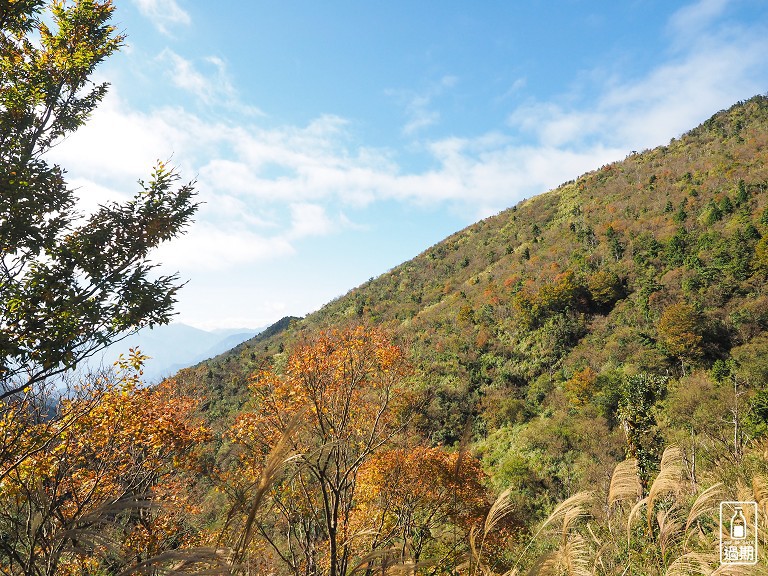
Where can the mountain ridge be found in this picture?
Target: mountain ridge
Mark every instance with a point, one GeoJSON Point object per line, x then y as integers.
{"type": "Point", "coordinates": [536, 318]}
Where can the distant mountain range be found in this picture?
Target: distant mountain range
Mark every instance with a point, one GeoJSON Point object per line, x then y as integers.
{"type": "Point", "coordinates": [175, 346]}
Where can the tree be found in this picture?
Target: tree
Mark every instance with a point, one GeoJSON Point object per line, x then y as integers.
{"type": "Point", "coordinates": [605, 289]}
{"type": "Point", "coordinates": [69, 284]}
{"type": "Point", "coordinates": [640, 394]}
{"type": "Point", "coordinates": [581, 387]}
{"type": "Point", "coordinates": [419, 500]}
{"type": "Point", "coordinates": [345, 387]}
{"type": "Point", "coordinates": [90, 498]}
{"type": "Point", "coordinates": [681, 330]}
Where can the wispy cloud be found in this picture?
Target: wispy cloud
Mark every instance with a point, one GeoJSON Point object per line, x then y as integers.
{"type": "Point", "coordinates": [212, 86]}
{"type": "Point", "coordinates": [418, 106]}
{"type": "Point", "coordinates": [270, 188]}
{"type": "Point", "coordinates": [514, 89]}
{"type": "Point", "coordinates": [719, 65]}
{"type": "Point", "coordinates": [186, 76]}
{"type": "Point", "coordinates": [689, 21]}
{"type": "Point", "coordinates": [164, 14]}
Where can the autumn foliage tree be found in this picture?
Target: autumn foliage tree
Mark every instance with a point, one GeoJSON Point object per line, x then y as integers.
{"type": "Point", "coordinates": [346, 389]}
{"type": "Point", "coordinates": [681, 330]}
{"type": "Point", "coordinates": [93, 493]}
{"type": "Point", "coordinates": [420, 502]}
{"type": "Point", "coordinates": [77, 471]}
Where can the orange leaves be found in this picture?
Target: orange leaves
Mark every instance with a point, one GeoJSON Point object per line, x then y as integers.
{"type": "Point", "coordinates": [408, 497]}
{"type": "Point", "coordinates": [681, 329]}
{"type": "Point", "coordinates": [110, 451]}
{"type": "Point", "coordinates": [345, 388]}
{"type": "Point", "coordinates": [344, 379]}
{"type": "Point", "coordinates": [581, 386]}
{"type": "Point", "coordinates": [426, 480]}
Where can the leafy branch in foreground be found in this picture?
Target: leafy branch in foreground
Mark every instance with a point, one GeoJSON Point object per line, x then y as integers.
{"type": "Point", "coordinates": [69, 284]}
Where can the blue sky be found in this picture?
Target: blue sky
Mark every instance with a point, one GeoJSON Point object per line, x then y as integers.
{"type": "Point", "coordinates": [333, 140]}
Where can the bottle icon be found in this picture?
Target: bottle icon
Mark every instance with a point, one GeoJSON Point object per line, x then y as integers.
{"type": "Point", "coordinates": [738, 525]}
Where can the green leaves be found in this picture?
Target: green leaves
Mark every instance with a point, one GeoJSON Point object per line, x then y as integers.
{"type": "Point", "coordinates": [70, 285]}
{"type": "Point", "coordinates": [637, 408]}
{"type": "Point", "coordinates": [43, 93]}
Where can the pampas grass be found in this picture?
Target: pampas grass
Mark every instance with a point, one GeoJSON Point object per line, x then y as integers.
{"type": "Point", "coordinates": [625, 483]}
{"type": "Point", "coordinates": [280, 455]}
{"type": "Point", "coordinates": [668, 481]}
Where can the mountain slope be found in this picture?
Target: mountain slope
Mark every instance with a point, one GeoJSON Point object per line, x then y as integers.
{"type": "Point", "coordinates": [534, 321]}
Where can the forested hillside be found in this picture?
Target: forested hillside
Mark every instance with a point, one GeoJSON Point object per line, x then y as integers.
{"type": "Point", "coordinates": [613, 317]}
{"type": "Point", "coordinates": [569, 387]}
{"type": "Point", "coordinates": [655, 264]}
{"type": "Point", "coordinates": [574, 386]}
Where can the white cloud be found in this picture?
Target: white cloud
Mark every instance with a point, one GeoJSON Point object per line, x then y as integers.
{"type": "Point", "coordinates": [268, 189]}
{"type": "Point", "coordinates": [209, 247]}
{"type": "Point", "coordinates": [163, 13]}
{"type": "Point", "coordinates": [212, 86]}
{"type": "Point", "coordinates": [419, 114]}
{"type": "Point", "coordinates": [309, 220]}
{"type": "Point", "coordinates": [717, 69]}
{"type": "Point", "coordinates": [691, 20]}
{"type": "Point", "coordinates": [515, 88]}
{"type": "Point", "coordinates": [91, 195]}
{"type": "Point", "coordinates": [418, 106]}
{"type": "Point", "coordinates": [184, 75]}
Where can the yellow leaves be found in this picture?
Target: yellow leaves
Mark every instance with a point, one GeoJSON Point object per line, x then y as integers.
{"type": "Point", "coordinates": [340, 388]}
{"type": "Point", "coordinates": [581, 386]}
{"type": "Point", "coordinates": [681, 330]}
{"type": "Point", "coordinates": [110, 439]}
{"type": "Point", "coordinates": [421, 487]}
{"type": "Point", "coordinates": [342, 378]}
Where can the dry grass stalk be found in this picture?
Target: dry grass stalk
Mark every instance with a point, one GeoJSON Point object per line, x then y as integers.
{"type": "Point", "coordinates": [575, 554]}
{"type": "Point", "coordinates": [407, 566]}
{"type": "Point", "coordinates": [568, 511]}
{"type": "Point", "coordinates": [632, 514]}
{"type": "Point", "coordinates": [185, 561]}
{"type": "Point", "coordinates": [476, 562]}
{"type": "Point", "coordinates": [760, 494]}
{"type": "Point", "coordinates": [572, 554]}
{"type": "Point", "coordinates": [276, 459]}
{"type": "Point", "coordinates": [501, 507]}
{"type": "Point", "coordinates": [760, 490]}
{"type": "Point", "coordinates": [707, 502]}
{"type": "Point", "coordinates": [740, 570]}
{"type": "Point", "coordinates": [668, 481]}
{"type": "Point", "coordinates": [670, 529]}
{"type": "Point", "coordinates": [474, 548]}
{"type": "Point", "coordinates": [692, 563]}
{"type": "Point", "coordinates": [625, 483]}
{"type": "Point", "coordinates": [571, 558]}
